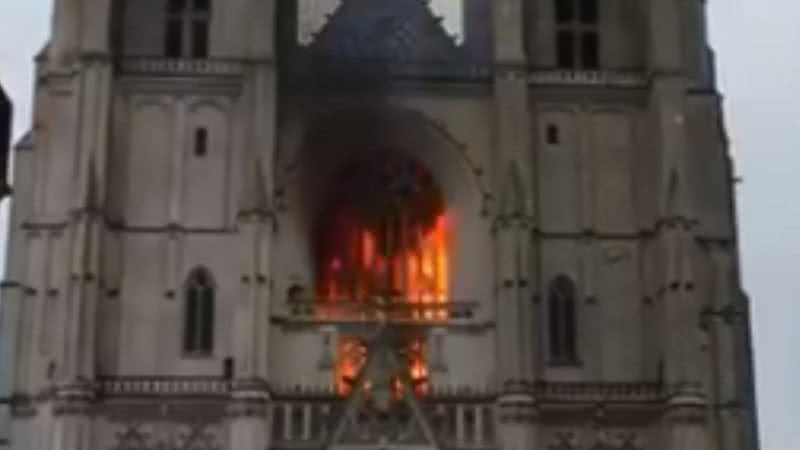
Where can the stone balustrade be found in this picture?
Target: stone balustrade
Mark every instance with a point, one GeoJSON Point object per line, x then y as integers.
{"type": "Point", "coordinates": [164, 386]}
{"type": "Point", "coordinates": [597, 78]}
{"type": "Point", "coordinates": [159, 66]}
{"type": "Point", "coordinates": [226, 67]}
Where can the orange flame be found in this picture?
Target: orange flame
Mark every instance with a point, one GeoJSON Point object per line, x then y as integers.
{"type": "Point", "coordinates": [413, 266]}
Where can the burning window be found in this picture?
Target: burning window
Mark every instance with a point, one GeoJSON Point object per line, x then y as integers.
{"type": "Point", "coordinates": [384, 236]}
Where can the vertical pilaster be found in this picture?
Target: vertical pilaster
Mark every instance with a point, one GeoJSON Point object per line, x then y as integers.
{"type": "Point", "coordinates": [81, 40]}
{"type": "Point", "coordinates": [250, 408]}
{"type": "Point", "coordinates": [516, 407]}
{"type": "Point", "coordinates": [179, 145]}
{"type": "Point", "coordinates": [512, 165]}
{"type": "Point", "coordinates": [686, 419]}
{"type": "Point", "coordinates": [87, 222]}
{"type": "Point", "coordinates": [72, 421]}
{"type": "Point", "coordinates": [66, 23]}
{"type": "Point", "coordinates": [724, 320]}
{"type": "Point", "coordinates": [508, 353]}
{"type": "Point", "coordinates": [518, 416]}
{"type": "Point", "coordinates": [251, 333]}
{"type": "Point", "coordinates": [664, 35]}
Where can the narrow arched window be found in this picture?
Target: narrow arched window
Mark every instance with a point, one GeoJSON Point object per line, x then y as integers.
{"type": "Point", "coordinates": [577, 38]}
{"type": "Point", "coordinates": [187, 28]}
{"type": "Point", "coordinates": [198, 337]}
{"type": "Point", "coordinates": [562, 320]}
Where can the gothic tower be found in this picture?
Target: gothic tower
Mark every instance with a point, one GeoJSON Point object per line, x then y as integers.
{"type": "Point", "coordinates": [375, 224]}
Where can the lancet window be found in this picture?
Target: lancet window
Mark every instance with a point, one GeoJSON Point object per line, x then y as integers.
{"type": "Point", "coordinates": [199, 293]}
{"type": "Point", "coordinates": [562, 320]}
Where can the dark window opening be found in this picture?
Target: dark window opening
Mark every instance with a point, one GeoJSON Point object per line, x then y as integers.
{"type": "Point", "coordinates": [187, 28]}
{"type": "Point", "coordinates": [552, 134]}
{"type": "Point", "coordinates": [577, 34]}
{"type": "Point", "coordinates": [200, 39]}
{"type": "Point", "coordinates": [199, 315]}
{"type": "Point", "coordinates": [562, 327]}
{"type": "Point", "coordinates": [202, 5]}
{"type": "Point", "coordinates": [590, 50]}
{"type": "Point", "coordinates": [176, 6]}
{"type": "Point", "coordinates": [200, 142]}
{"type": "Point", "coordinates": [174, 38]}
{"type": "Point", "coordinates": [565, 11]}
{"type": "Point", "coordinates": [565, 49]}
{"type": "Point", "coordinates": [589, 12]}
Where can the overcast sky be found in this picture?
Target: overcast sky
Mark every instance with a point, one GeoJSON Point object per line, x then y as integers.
{"type": "Point", "coordinates": [758, 50]}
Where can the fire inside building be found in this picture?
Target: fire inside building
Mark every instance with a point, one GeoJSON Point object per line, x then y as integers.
{"type": "Point", "coordinates": [375, 225]}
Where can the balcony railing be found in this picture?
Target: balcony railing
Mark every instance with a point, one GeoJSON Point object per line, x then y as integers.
{"type": "Point", "coordinates": [154, 65]}
{"type": "Point", "coordinates": [605, 78]}
{"type": "Point", "coordinates": [146, 386]}
{"type": "Point", "coordinates": [227, 67]}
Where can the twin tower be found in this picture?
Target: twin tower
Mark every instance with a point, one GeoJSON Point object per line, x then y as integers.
{"type": "Point", "coordinates": [375, 224]}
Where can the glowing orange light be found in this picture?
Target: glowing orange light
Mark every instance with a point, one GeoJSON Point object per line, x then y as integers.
{"type": "Point", "coordinates": [398, 255]}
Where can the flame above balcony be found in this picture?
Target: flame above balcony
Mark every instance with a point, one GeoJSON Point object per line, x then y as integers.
{"type": "Point", "coordinates": [385, 236]}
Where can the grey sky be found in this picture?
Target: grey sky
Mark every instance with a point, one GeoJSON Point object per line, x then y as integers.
{"type": "Point", "coordinates": [758, 50]}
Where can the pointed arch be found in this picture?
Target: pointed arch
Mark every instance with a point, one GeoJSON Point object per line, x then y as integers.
{"type": "Point", "coordinates": [562, 320]}
{"type": "Point", "coordinates": [199, 303]}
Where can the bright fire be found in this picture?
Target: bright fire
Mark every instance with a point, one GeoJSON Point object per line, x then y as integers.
{"type": "Point", "coordinates": [395, 247]}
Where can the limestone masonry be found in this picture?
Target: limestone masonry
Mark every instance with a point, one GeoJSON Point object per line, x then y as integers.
{"type": "Point", "coordinates": [375, 225]}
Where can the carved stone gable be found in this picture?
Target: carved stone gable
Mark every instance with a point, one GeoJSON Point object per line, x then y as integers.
{"type": "Point", "coordinates": [385, 30]}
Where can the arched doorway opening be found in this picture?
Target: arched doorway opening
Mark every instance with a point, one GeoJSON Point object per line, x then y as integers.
{"type": "Point", "coordinates": [384, 234]}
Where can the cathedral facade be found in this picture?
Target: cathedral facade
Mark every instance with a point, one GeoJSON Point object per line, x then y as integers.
{"type": "Point", "coordinates": [375, 224]}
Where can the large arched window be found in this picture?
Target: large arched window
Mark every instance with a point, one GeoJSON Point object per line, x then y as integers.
{"type": "Point", "coordinates": [562, 320]}
{"type": "Point", "coordinates": [577, 34]}
{"type": "Point", "coordinates": [383, 234]}
{"type": "Point", "coordinates": [199, 292]}
{"type": "Point", "coordinates": [187, 28]}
